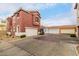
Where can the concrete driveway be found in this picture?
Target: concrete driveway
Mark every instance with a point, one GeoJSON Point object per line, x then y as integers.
{"type": "Point", "coordinates": [47, 45]}
{"type": "Point", "coordinates": [7, 49]}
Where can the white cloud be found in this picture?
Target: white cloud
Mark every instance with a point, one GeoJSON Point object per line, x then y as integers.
{"type": "Point", "coordinates": [61, 19]}
{"type": "Point", "coordinates": [10, 8]}
{"type": "Point", "coordinates": [58, 21]}
{"type": "Point", "coordinates": [38, 6]}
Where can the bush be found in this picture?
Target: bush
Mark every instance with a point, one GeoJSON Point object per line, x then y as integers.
{"type": "Point", "coordinates": [8, 34]}
{"type": "Point", "coordinates": [72, 35]}
{"type": "Point", "coordinates": [41, 32]}
{"type": "Point", "coordinates": [22, 36]}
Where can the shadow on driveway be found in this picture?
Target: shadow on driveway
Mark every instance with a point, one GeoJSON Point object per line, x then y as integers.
{"type": "Point", "coordinates": [58, 38]}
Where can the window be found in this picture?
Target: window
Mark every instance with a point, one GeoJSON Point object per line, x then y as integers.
{"type": "Point", "coordinates": [37, 19]}
{"type": "Point", "coordinates": [17, 14]}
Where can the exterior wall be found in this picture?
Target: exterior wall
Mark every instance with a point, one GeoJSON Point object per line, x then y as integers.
{"type": "Point", "coordinates": [25, 21]}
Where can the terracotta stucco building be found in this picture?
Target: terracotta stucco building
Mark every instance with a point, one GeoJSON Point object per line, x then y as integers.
{"type": "Point", "coordinates": [21, 20]}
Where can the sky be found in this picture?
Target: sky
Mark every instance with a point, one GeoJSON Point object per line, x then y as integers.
{"type": "Point", "coordinates": [52, 14]}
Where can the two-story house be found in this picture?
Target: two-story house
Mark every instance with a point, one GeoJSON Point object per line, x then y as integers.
{"type": "Point", "coordinates": [24, 22]}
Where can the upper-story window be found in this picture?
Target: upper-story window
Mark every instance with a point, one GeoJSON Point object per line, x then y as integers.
{"type": "Point", "coordinates": [37, 19]}
{"type": "Point", "coordinates": [17, 14]}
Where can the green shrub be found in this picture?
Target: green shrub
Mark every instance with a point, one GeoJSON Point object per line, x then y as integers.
{"type": "Point", "coordinates": [41, 32]}
{"type": "Point", "coordinates": [7, 34]}
{"type": "Point", "coordinates": [22, 36]}
{"type": "Point", "coordinates": [72, 35]}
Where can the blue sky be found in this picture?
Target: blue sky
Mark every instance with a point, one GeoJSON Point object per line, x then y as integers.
{"type": "Point", "coordinates": [54, 14]}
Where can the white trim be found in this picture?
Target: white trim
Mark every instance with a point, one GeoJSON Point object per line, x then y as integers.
{"type": "Point", "coordinates": [17, 28]}
{"type": "Point", "coordinates": [20, 33]}
{"type": "Point", "coordinates": [9, 33]}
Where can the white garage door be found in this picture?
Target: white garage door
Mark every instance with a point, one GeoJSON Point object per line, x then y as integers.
{"type": "Point", "coordinates": [53, 31]}
{"type": "Point", "coordinates": [31, 31]}
{"type": "Point", "coordinates": [69, 31]}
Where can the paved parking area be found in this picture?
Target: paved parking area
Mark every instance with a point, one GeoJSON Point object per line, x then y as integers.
{"type": "Point", "coordinates": [47, 45]}
{"type": "Point", "coordinates": [7, 49]}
